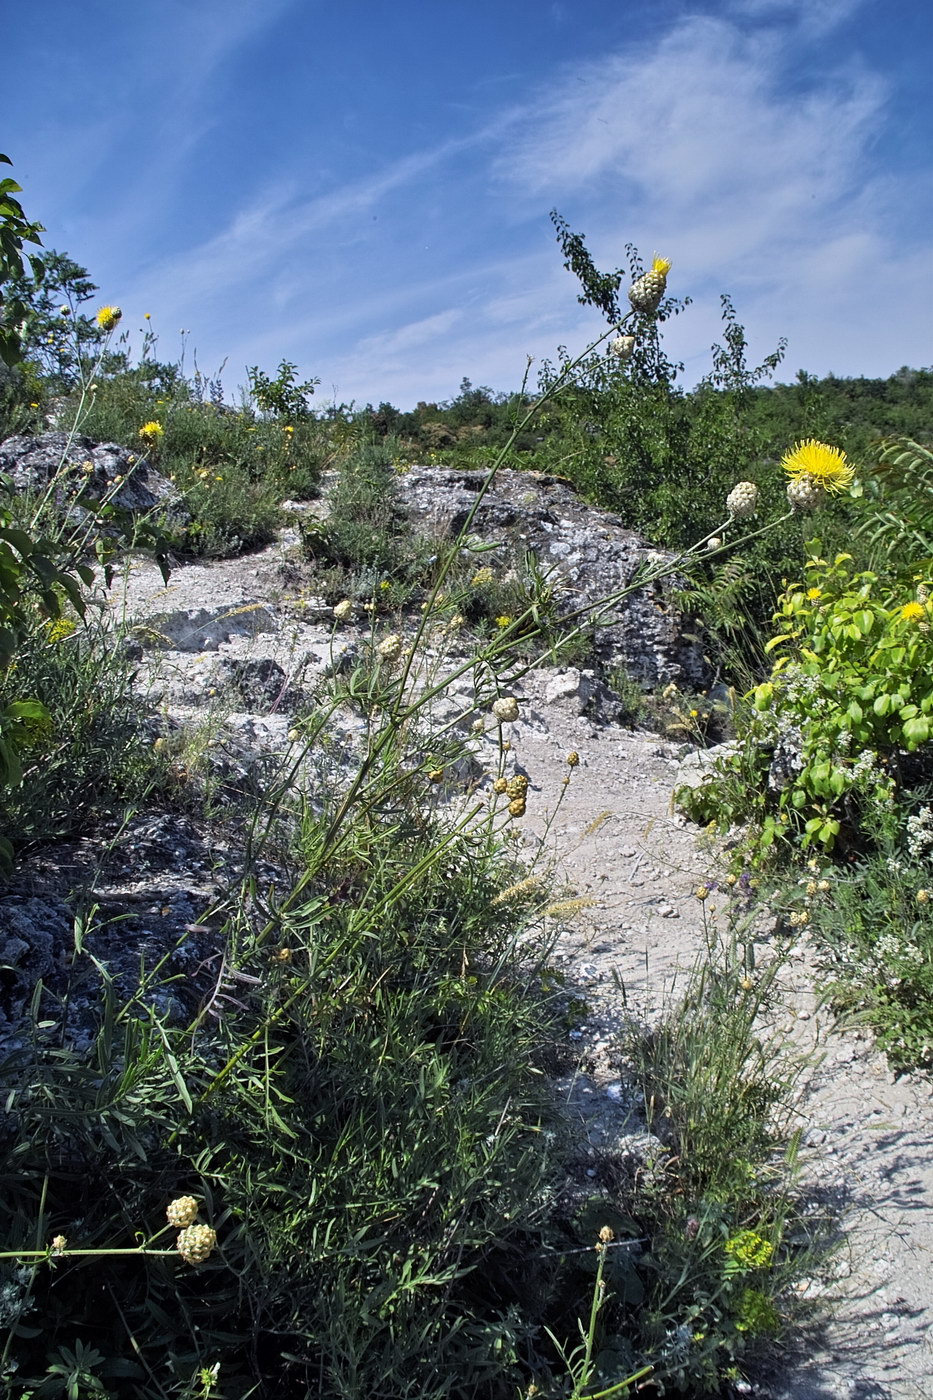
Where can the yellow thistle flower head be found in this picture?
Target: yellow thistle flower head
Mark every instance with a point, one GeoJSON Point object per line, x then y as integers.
{"type": "Point", "coordinates": [661, 266]}
{"type": "Point", "coordinates": [825, 466]}
{"type": "Point", "coordinates": [108, 316]}
{"type": "Point", "coordinates": [912, 612]}
{"type": "Point", "coordinates": [151, 432]}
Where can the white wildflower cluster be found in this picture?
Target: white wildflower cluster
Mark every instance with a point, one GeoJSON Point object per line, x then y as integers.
{"type": "Point", "coordinates": [889, 953]}
{"type": "Point", "coordinates": [920, 833]}
{"type": "Point", "coordinates": [865, 764]}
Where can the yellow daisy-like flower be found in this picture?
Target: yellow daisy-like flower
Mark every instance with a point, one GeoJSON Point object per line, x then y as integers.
{"type": "Point", "coordinates": [108, 316]}
{"type": "Point", "coordinates": [913, 612]}
{"type": "Point", "coordinates": [826, 466]}
{"type": "Point", "coordinates": [151, 432]}
{"type": "Point", "coordinates": [814, 593]}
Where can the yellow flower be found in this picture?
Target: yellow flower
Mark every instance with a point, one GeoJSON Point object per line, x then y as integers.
{"type": "Point", "coordinates": [826, 466]}
{"type": "Point", "coordinates": [108, 316]}
{"type": "Point", "coordinates": [151, 432]}
{"type": "Point", "coordinates": [289, 430]}
{"type": "Point", "coordinates": [503, 621]}
{"type": "Point", "coordinates": [814, 593]}
{"type": "Point", "coordinates": [661, 266]}
{"type": "Point", "coordinates": [912, 612]}
{"type": "Point", "coordinates": [481, 578]}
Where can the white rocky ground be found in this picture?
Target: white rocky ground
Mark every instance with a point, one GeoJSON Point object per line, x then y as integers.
{"type": "Point", "coordinates": [615, 841]}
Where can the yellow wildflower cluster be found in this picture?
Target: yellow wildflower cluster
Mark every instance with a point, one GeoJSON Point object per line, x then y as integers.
{"type": "Point", "coordinates": [749, 1250]}
{"type": "Point", "coordinates": [152, 432]}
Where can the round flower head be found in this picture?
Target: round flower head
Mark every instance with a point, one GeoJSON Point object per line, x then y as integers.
{"type": "Point", "coordinates": [505, 709]}
{"type": "Point", "coordinates": [517, 807]}
{"type": "Point", "coordinates": [646, 291]}
{"type": "Point", "coordinates": [151, 432]}
{"type": "Point", "coordinates": [804, 493]}
{"type": "Point", "coordinates": [182, 1212]}
{"type": "Point", "coordinates": [108, 316]}
{"type": "Point", "coordinates": [742, 500]}
{"type": "Point", "coordinates": [826, 466]}
{"type": "Point", "coordinates": [196, 1243]}
{"type": "Point", "coordinates": [390, 646]}
{"type": "Point", "coordinates": [622, 347]}
{"type": "Point", "coordinates": [913, 612]}
{"type": "Point", "coordinates": [343, 610]}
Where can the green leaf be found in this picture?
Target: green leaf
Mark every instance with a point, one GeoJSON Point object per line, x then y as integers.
{"type": "Point", "coordinates": [916, 731]}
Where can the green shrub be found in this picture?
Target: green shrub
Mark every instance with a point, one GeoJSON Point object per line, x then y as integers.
{"type": "Point", "coordinates": [84, 749]}
{"type": "Point", "coordinates": [872, 931]}
{"type": "Point", "coordinates": [850, 695]}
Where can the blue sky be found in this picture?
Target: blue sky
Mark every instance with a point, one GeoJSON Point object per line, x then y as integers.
{"type": "Point", "coordinates": [363, 187]}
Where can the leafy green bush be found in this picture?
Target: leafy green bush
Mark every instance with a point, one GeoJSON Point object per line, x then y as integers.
{"type": "Point", "coordinates": [850, 695]}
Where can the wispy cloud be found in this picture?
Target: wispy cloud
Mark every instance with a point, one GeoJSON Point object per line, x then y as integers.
{"type": "Point", "coordinates": [812, 18]}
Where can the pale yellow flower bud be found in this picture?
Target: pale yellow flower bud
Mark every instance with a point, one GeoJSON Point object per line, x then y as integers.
{"type": "Point", "coordinates": [505, 709]}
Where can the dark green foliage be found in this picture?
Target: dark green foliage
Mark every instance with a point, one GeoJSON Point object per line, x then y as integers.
{"type": "Point", "coordinates": [85, 749]}
{"type": "Point", "coordinates": [54, 343]}
{"type": "Point", "coordinates": [15, 230]}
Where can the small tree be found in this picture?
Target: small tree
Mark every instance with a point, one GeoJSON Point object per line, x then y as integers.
{"type": "Point", "coordinates": [52, 332]}
{"type": "Point", "coordinates": [281, 397]}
